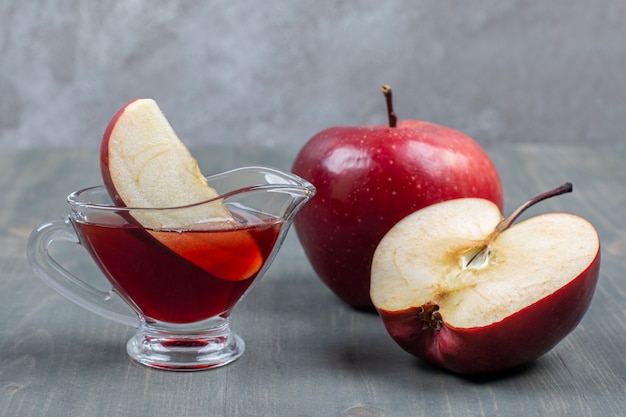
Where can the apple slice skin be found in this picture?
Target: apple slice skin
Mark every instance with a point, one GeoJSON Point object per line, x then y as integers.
{"type": "Point", "coordinates": [370, 177]}
{"type": "Point", "coordinates": [104, 156]}
{"type": "Point", "coordinates": [513, 341]}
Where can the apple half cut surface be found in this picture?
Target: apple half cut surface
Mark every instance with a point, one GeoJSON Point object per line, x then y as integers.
{"type": "Point", "coordinates": [457, 285]}
{"type": "Point", "coordinates": [145, 165]}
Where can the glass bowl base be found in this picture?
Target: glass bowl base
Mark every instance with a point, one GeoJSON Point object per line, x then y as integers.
{"type": "Point", "coordinates": [184, 351]}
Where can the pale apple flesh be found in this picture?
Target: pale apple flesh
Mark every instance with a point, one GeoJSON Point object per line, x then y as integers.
{"type": "Point", "coordinates": [145, 165]}
{"type": "Point", "coordinates": [480, 314]}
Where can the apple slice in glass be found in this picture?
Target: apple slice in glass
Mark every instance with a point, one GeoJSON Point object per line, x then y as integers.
{"type": "Point", "coordinates": [145, 165]}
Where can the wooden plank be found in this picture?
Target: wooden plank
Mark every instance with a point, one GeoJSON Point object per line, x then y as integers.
{"type": "Point", "coordinates": [307, 354]}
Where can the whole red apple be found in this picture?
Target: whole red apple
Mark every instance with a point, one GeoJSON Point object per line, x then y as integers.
{"type": "Point", "coordinates": [370, 177]}
{"type": "Point", "coordinates": [458, 286]}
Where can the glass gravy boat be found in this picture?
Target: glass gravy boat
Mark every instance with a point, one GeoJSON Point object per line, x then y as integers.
{"type": "Point", "coordinates": [181, 284]}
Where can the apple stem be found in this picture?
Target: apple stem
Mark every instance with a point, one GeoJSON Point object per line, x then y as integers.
{"type": "Point", "coordinates": [506, 223]}
{"type": "Point", "coordinates": [479, 256]}
{"type": "Point", "coordinates": [393, 119]}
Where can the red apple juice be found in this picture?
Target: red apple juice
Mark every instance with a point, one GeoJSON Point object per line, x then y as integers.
{"type": "Point", "coordinates": [181, 276]}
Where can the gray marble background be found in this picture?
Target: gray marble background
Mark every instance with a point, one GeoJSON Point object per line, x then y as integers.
{"type": "Point", "coordinates": [275, 72]}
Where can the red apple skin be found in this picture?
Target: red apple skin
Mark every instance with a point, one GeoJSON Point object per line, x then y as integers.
{"type": "Point", "coordinates": [516, 340]}
{"type": "Point", "coordinates": [104, 157]}
{"type": "Point", "coordinates": [370, 177]}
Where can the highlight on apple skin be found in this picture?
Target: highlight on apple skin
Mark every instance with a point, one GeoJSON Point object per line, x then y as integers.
{"type": "Point", "coordinates": [370, 177]}
{"type": "Point", "coordinates": [459, 290]}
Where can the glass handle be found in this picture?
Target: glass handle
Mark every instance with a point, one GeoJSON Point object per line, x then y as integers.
{"type": "Point", "coordinates": [104, 303]}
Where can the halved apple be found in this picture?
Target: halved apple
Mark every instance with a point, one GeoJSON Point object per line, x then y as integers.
{"type": "Point", "coordinates": [145, 165]}
{"type": "Point", "coordinates": [461, 287]}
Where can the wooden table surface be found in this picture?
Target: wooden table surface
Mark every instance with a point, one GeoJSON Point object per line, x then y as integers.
{"type": "Point", "coordinates": [307, 353]}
